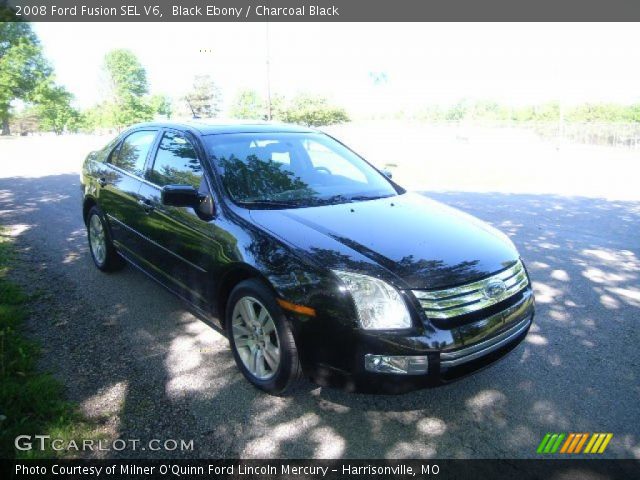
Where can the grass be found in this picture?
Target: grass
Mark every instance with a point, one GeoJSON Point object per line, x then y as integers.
{"type": "Point", "coordinates": [31, 402]}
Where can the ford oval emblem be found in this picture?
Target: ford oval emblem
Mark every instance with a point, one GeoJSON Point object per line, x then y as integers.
{"type": "Point", "coordinates": [494, 289]}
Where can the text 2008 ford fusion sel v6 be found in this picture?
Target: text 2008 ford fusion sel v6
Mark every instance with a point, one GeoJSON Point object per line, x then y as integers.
{"type": "Point", "coordinates": [310, 260]}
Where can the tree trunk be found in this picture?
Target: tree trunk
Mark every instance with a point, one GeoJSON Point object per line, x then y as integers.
{"type": "Point", "coordinates": [5, 126]}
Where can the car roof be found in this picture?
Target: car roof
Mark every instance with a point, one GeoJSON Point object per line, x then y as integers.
{"type": "Point", "coordinates": [216, 127]}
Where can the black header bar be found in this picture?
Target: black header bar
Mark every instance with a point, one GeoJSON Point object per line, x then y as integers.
{"type": "Point", "coordinates": [322, 10]}
{"type": "Point", "coordinates": [568, 469]}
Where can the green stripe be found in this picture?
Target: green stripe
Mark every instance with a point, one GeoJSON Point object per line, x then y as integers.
{"type": "Point", "coordinates": [550, 443]}
{"type": "Point", "coordinates": [558, 442]}
{"type": "Point", "coordinates": [543, 442]}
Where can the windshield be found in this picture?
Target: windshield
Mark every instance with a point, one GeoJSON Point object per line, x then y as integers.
{"type": "Point", "coordinates": [286, 170]}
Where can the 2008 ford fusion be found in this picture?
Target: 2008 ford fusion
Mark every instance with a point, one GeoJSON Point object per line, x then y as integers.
{"type": "Point", "coordinates": [310, 260]}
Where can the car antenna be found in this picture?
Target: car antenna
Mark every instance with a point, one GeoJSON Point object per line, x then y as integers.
{"type": "Point", "coordinates": [193, 113]}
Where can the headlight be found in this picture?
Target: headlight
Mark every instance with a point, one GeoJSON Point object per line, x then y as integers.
{"type": "Point", "coordinates": [379, 305]}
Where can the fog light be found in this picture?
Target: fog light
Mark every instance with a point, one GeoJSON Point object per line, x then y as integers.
{"type": "Point", "coordinates": [401, 365]}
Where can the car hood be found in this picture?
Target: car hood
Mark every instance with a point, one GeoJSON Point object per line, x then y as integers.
{"type": "Point", "coordinates": [421, 242]}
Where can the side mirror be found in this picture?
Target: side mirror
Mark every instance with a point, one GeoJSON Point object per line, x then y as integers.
{"type": "Point", "coordinates": [180, 196]}
{"type": "Point", "coordinates": [387, 173]}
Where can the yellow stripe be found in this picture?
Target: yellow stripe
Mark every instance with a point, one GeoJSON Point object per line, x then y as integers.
{"type": "Point", "coordinates": [596, 445]}
{"type": "Point", "coordinates": [590, 444]}
{"type": "Point", "coordinates": [584, 439]}
{"type": "Point", "coordinates": [566, 444]}
{"type": "Point", "coordinates": [606, 442]}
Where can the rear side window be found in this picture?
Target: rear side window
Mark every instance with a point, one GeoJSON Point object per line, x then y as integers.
{"type": "Point", "coordinates": [133, 152]}
{"type": "Point", "coordinates": [105, 152]}
{"type": "Point", "coordinates": [176, 162]}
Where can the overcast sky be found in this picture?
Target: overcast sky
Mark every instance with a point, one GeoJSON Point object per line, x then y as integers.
{"type": "Point", "coordinates": [424, 63]}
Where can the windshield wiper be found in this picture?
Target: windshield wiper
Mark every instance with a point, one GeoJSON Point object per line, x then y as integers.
{"type": "Point", "coordinates": [357, 198]}
{"type": "Point", "coordinates": [267, 203]}
{"type": "Point", "coordinates": [352, 198]}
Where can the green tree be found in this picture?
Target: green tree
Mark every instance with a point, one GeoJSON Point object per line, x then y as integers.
{"type": "Point", "coordinates": [458, 111]}
{"type": "Point", "coordinates": [53, 106]}
{"type": "Point", "coordinates": [128, 81]}
{"type": "Point", "coordinates": [313, 111]}
{"type": "Point", "coordinates": [95, 117]}
{"type": "Point", "coordinates": [22, 66]}
{"type": "Point", "coordinates": [205, 98]}
{"type": "Point", "coordinates": [25, 121]}
{"type": "Point", "coordinates": [278, 106]}
{"type": "Point", "coordinates": [248, 105]}
{"type": "Point", "coordinates": [126, 74]}
{"type": "Point", "coordinates": [161, 105]}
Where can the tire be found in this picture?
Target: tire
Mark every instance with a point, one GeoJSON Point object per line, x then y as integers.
{"type": "Point", "coordinates": [253, 348]}
{"type": "Point", "coordinates": [103, 253]}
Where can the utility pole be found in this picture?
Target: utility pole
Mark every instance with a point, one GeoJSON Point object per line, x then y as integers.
{"type": "Point", "coordinates": [269, 116]}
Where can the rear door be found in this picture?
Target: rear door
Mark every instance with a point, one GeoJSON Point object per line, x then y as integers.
{"type": "Point", "coordinates": [180, 240]}
{"type": "Point", "coordinates": [120, 182]}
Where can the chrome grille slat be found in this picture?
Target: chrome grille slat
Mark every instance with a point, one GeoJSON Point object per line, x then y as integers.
{"type": "Point", "coordinates": [469, 298]}
{"type": "Point", "coordinates": [454, 302]}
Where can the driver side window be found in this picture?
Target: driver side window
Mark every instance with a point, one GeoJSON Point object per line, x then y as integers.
{"type": "Point", "coordinates": [176, 162]}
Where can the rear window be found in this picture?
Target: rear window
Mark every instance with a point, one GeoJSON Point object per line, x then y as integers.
{"type": "Point", "coordinates": [132, 153]}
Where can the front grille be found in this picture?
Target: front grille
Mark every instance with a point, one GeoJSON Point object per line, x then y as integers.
{"type": "Point", "coordinates": [472, 297]}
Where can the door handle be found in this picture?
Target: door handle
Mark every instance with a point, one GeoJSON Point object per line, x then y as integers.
{"type": "Point", "coordinates": [102, 182]}
{"type": "Point", "coordinates": [146, 204]}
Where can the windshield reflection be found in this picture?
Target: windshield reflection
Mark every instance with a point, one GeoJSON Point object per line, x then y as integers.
{"type": "Point", "coordinates": [293, 170]}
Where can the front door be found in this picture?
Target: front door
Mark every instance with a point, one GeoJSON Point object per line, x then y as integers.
{"type": "Point", "coordinates": [180, 240]}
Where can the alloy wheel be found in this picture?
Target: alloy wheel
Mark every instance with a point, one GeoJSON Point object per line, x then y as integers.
{"type": "Point", "coordinates": [97, 239]}
{"type": "Point", "coordinates": [256, 338]}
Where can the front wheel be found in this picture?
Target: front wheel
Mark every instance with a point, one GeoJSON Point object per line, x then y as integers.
{"type": "Point", "coordinates": [103, 253]}
{"type": "Point", "coordinates": [261, 340]}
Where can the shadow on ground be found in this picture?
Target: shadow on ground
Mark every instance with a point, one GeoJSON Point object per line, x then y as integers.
{"type": "Point", "coordinates": [145, 368]}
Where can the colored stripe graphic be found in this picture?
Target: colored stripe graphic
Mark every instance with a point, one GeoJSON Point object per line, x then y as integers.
{"type": "Point", "coordinates": [543, 443]}
{"type": "Point", "coordinates": [556, 445]}
{"type": "Point", "coordinates": [551, 443]}
{"type": "Point", "coordinates": [572, 443]}
{"type": "Point", "coordinates": [598, 443]}
{"type": "Point", "coordinates": [592, 440]}
{"type": "Point", "coordinates": [605, 443]}
{"type": "Point", "coordinates": [581, 443]}
{"type": "Point", "coordinates": [570, 440]}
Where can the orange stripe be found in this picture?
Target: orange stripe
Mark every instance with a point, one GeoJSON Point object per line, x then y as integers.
{"type": "Point", "coordinates": [584, 439]}
{"type": "Point", "coordinates": [568, 441]}
{"type": "Point", "coordinates": [296, 308]}
{"type": "Point", "coordinates": [574, 443]}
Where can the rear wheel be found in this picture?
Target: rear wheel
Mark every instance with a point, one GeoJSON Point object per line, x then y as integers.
{"type": "Point", "coordinates": [261, 340]}
{"type": "Point", "coordinates": [103, 253]}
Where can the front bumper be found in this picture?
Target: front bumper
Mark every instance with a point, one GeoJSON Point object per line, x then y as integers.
{"type": "Point", "coordinates": [450, 353]}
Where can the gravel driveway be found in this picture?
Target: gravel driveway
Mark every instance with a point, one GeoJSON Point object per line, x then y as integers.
{"type": "Point", "coordinates": [143, 367]}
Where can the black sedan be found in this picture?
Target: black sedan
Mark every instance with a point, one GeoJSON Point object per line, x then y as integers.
{"type": "Point", "coordinates": [308, 258]}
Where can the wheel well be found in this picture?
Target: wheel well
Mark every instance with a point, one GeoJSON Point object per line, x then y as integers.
{"type": "Point", "coordinates": [89, 203]}
{"type": "Point", "coordinates": [229, 282]}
